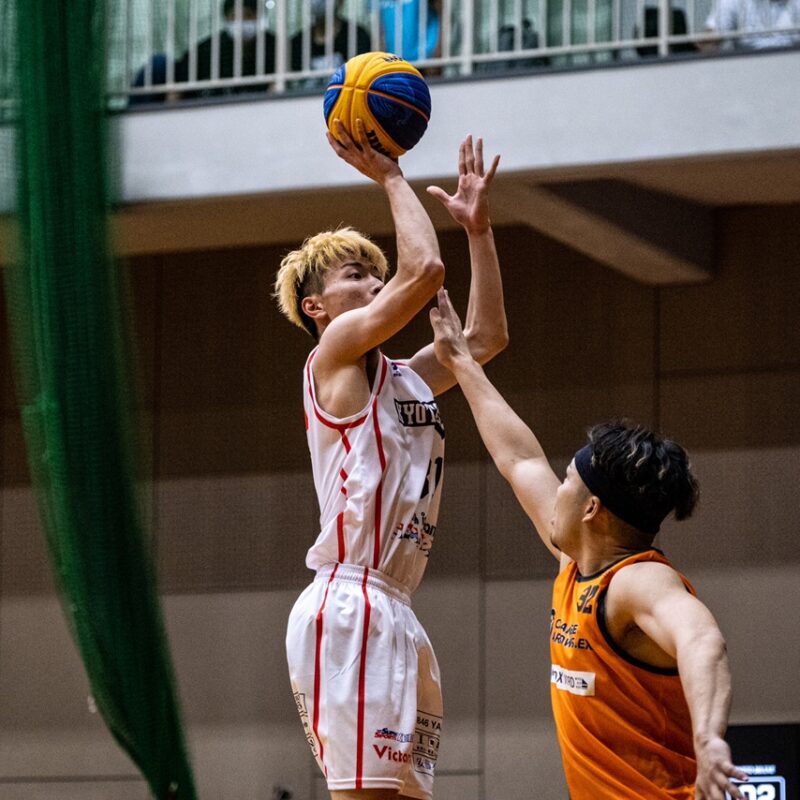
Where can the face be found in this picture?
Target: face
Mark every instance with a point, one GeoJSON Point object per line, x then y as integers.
{"type": "Point", "coordinates": [569, 509]}
{"type": "Point", "coordinates": [351, 284]}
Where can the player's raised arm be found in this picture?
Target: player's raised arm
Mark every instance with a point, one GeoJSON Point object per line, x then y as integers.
{"type": "Point", "coordinates": [419, 273]}
{"type": "Point", "coordinates": [485, 328]}
{"type": "Point", "coordinates": [654, 600]}
{"type": "Point", "coordinates": [510, 442]}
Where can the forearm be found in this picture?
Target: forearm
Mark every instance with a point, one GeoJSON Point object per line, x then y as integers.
{"type": "Point", "coordinates": [417, 245]}
{"type": "Point", "coordinates": [706, 678]}
{"type": "Point", "coordinates": [507, 438]}
{"type": "Point", "coordinates": [485, 327]}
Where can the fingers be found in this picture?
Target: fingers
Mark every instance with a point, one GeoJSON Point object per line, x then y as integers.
{"type": "Point", "coordinates": [440, 194]}
{"type": "Point", "coordinates": [479, 157]}
{"type": "Point", "coordinates": [469, 154]}
{"type": "Point", "coordinates": [361, 135]}
{"type": "Point", "coordinates": [462, 159]}
{"type": "Point", "coordinates": [492, 169]}
{"type": "Point", "coordinates": [342, 134]}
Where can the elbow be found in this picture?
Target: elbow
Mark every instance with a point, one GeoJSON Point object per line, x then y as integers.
{"type": "Point", "coordinates": [433, 270]}
{"type": "Point", "coordinates": [484, 345]}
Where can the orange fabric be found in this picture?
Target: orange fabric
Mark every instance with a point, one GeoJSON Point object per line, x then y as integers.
{"type": "Point", "coordinates": [624, 729]}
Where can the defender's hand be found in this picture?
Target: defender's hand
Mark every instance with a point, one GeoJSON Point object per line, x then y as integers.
{"type": "Point", "coordinates": [449, 343]}
{"type": "Point", "coordinates": [469, 206]}
{"type": "Point", "coordinates": [358, 152]}
{"type": "Point", "coordinates": [715, 770]}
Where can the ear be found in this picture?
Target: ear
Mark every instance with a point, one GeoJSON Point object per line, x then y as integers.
{"type": "Point", "coordinates": [591, 508]}
{"type": "Point", "coordinates": [312, 307]}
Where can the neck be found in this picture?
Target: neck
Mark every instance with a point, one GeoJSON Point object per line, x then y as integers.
{"type": "Point", "coordinates": [603, 552]}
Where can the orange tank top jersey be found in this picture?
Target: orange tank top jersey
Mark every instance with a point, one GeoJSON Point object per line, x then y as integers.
{"type": "Point", "coordinates": [623, 727]}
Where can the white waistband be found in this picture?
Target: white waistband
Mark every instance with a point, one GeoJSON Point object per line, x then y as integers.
{"type": "Point", "coordinates": [375, 579]}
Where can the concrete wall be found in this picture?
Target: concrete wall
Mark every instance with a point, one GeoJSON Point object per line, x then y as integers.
{"type": "Point", "coordinates": [717, 366]}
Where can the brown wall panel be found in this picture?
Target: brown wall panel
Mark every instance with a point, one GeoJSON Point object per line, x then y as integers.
{"type": "Point", "coordinates": [746, 318]}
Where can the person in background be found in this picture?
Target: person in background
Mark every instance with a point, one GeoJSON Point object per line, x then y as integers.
{"type": "Point", "coordinates": [401, 20]}
{"type": "Point", "coordinates": [780, 16]}
{"type": "Point", "coordinates": [308, 49]}
{"type": "Point", "coordinates": [243, 29]}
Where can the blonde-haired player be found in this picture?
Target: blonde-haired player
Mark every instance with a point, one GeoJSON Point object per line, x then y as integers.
{"type": "Point", "coordinates": [363, 672]}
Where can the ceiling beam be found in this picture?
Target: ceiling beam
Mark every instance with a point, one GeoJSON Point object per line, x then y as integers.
{"type": "Point", "coordinates": [651, 237]}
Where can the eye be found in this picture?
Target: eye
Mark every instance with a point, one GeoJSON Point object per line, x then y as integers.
{"type": "Point", "coordinates": [355, 275]}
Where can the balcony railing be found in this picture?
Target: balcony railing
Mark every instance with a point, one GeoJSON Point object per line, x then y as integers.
{"type": "Point", "coordinates": [167, 50]}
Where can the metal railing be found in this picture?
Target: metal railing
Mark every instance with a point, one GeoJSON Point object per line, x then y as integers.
{"type": "Point", "coordinates": [168, 50]}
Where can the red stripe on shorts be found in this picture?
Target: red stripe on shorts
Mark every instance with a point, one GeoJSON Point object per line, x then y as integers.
{"type": "Point", "coordinates": [376, 555]}
{"type": "Point", "coordinates": [318, 671]}
{"type": "Point", "coordinates": [361, 682]}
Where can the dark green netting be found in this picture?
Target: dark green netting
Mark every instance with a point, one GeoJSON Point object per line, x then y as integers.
{"type": "Point", "coordinates": [67, 312]}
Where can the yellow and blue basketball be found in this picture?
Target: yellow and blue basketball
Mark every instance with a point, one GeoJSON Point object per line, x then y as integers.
{"type": "Point", "coordinates": [385, 91]}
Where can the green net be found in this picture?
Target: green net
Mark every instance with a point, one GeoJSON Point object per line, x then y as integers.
{"type": "Point", "coordinates": [68, 317]}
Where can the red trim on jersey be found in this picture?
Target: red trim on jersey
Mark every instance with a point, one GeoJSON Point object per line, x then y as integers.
{"type": "Point", "coordinates": [382, 456]}
{"type": "Point", "coordinates": [340, 534]}
{"type": "Point", "coordinates": [340, 517]}
{"type": "Point", "coordinates": [338, 426]}
{"type": "Point", "coordinates": [361, 684]}
{"type": "Point", "coordinates": [317, 670]}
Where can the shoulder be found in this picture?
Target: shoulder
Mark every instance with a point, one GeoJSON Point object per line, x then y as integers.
{"type": "Point", "coordinates": [645, 572]}
{"type": "Point", "coordinates": [643, 583]}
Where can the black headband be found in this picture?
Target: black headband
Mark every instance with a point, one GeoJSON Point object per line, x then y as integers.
{"type": "Point", "coordinates": [628, 508]}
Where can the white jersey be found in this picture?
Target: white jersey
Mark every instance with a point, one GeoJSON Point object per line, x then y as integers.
{"type": "Point", "coordinates": [378, 475]}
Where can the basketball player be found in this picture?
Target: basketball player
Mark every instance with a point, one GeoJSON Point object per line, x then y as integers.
{"type": "Point", "coordinates": [364, 675]}
{"type": "Point", "coordinates": [640, 684]}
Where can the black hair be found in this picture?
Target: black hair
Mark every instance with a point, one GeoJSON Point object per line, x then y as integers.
{"type": "Point", "coordinates": [652, 471]}
{"type": "Point", "coordinates": [311, 284]}
{"type": "Point", "coordinates": [229, 6]}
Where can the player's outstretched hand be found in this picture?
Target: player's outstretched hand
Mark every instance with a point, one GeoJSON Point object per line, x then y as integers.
{"type": "Point", "coordinates": [715, 770]}
{"type": "Point", "coordinates": [357, 152]}
{"type": "Point", "coordinates": [449, 343]}
{"type": "Point", "coordinates": [469, 206]}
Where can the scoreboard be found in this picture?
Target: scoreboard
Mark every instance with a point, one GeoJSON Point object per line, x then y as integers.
{"type": "Point", "coordinates": [770, 755]}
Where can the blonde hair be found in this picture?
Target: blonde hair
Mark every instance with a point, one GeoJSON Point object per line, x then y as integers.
{"type": "Point", "coordinates": [302, 271]}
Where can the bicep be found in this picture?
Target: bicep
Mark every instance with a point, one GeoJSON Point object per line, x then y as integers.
{"type": "Point", "coordinates": [427, 366]}
{"type": "Point", "coordinates": [672, 617]}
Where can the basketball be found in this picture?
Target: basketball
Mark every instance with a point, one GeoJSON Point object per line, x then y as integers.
{"type": "Point", "coordinates": [387, 93]}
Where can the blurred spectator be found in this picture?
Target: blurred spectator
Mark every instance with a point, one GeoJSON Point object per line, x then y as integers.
{"type": "Point", "coordinates": [507, 40]}
{"type": "Point", "coordinates": [678, 27]}
{"type": "Point", "coordinates": [580, 22]}
{"type": "Point", "coordinates": [158, 77]}
{"type": "Point", "coordinates": [245, 28]}
{"type": "Point", "coordinates": [317, 57]}
{"type": "Point", "coordinates": [756, 15]}
{"type": "Point", "coordinates": [407, 43]}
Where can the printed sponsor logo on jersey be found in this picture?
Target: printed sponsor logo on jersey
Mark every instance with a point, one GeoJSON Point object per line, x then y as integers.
{"type": "Point", "coordinates": [572, 681]}
{"type": "Point", "coordinates": [426, 742]}
{"type": "Point", "coordinates": [386, 733]}
{"type": "Point", "coordinates": [419, 531]}
{"type": "Point", "coordinates": [419, 413]}
{"type": "Point", "coordinates": [566, 634]}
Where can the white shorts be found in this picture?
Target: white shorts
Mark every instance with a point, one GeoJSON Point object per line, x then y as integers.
{"type": "Point", "coordinates": [366, 682]}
